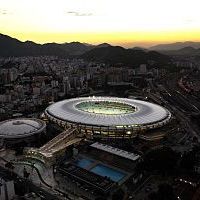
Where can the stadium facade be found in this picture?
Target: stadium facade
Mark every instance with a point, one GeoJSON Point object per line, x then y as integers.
{"type": "Point", "coordinates": [19, 130]}
{"type": "Point", "coordinates": [109, 117]}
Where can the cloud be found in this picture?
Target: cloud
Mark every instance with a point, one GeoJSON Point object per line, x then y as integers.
{"type": "Point", "coordinates": [191, 23]}
{"type": "Point", "coordinates": [189, 20]}
{"type": "Point", "coordinates": [4, 12]}
{"type": "Point", "coordinates": [79, 14]}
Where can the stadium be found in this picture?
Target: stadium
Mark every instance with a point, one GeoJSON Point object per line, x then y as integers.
{"type": "Point", "coordinates": [19, 130]}
{"type": "Point", "coordinates": [108, 117]}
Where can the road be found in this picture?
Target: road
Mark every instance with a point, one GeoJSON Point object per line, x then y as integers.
{"type": "Point", "coordinates": [44, 189]}
{"type": "Point", "coordinates": [30, 186]}
{"type": "Point", "coordinates": [178, 105]}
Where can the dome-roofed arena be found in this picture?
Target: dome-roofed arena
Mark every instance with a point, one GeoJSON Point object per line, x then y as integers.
{"type": "Point", "coordinates": [21, 129]}
{"type": "Point", "coordinates": [108, 116]}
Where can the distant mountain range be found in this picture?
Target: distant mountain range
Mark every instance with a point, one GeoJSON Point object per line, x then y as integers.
{"type": "Point", "coordinates": [186, 51]}
{"type": "Point", "coordinates": [175, 46]}
{"type": "Point", "coordinates": [12, 47]}
{"type": "Point", "coordinates": [118, 54]}
{"type": "Point", "coordinates": [102, 53]}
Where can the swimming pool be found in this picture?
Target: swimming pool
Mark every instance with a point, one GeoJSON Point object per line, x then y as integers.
{"type": "Point", "coordinates": [103, 170]}
{"type": "Point", "coordinates": [83, 163]}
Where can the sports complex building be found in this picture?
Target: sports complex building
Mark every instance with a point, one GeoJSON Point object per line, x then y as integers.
{"type": "Point", "coordinates": [109, 117]}
{"type": "Point", "coordinates": [19, 130]}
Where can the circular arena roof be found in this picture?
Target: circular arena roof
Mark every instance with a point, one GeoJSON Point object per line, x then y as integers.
{"type": "Point", "coordinates": [108, 111]}
{"type": "Point", "coordinates": [20, 128]}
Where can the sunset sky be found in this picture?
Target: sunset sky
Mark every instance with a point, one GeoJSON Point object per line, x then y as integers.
{"type": "Point", "coordinates": [119, 22]}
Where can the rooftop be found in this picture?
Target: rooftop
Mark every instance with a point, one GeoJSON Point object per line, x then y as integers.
{"type": "Point", "coordinates": [116, 151]}
{"type": "Point", "coordinates": [21, 127]}
{"type": "Point", "coordinates": [125, 112]}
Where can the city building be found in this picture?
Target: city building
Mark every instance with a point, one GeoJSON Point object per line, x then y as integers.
{"type": "Point", "coordinates": [7, 190]}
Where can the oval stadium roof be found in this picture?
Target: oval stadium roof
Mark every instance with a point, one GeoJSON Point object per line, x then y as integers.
{"type": "Point", "coordinates": [145, 112]}
{"type": "Point", "coordinates": [21, 127]}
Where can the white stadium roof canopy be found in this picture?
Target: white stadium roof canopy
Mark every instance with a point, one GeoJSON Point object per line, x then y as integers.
{"type": "Point", "coordinates": [146, 113]}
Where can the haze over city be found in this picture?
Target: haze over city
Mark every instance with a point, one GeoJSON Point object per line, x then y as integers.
{"type": "Point", "coordinates": [127, 23]}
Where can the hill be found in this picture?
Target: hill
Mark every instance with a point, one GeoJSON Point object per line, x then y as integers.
{"type": "Point", "coordinates": [75, 48]}
{"type": "Point", "coordinates": [114, 55]}
{"type": "Point", "coordinates": [186, 51]}
{"type": "Point", "coordinates": [175, 46]}
{"type": "Point", "coordinates": [13, 47]}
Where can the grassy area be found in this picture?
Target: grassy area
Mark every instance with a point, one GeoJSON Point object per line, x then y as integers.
{"type": "Point", "coordinates": [105, 107]}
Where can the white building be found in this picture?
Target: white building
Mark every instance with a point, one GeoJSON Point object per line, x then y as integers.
{"type": "Point", "coordinates": [7, 190]}
{"type": "Point", "coordinates": [143, 68]}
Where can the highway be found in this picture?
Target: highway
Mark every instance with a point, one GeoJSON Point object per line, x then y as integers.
{"type": "Point", "coordinates": [178, 104]}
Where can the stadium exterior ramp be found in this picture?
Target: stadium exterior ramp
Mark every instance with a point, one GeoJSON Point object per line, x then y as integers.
{"type": "Point", "coordinates": [55, 148]}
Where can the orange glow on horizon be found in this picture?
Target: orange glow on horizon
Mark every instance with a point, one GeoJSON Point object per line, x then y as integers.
{"type": "Point", "coordinates": [127, 23]}
{"type": "Point", "coordinates": [125, 39]}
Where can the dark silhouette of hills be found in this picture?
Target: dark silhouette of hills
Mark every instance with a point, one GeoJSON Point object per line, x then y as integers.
{"type": "Point", "coordinates": [75, 48]}
{"type": "Point", "coordinates": [13, 47]}
{"type": "Point", "coordinates": [103, 52]}
{"type": "Point", "coordinates": [103, 45]}
{"type": "Point", "coordinates": [175, 46]}
{"type": "Point", "coordinates": [139, 48]}
{"type": "Point", "coordinates": [114, 55]}
{"type": "Point", "coordinates": [186, 51]}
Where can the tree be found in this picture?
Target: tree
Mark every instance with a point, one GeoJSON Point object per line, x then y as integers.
{"type": "Point", "coordinates": [100, 198]}
{"type": "Point", "coordinates": [9, 165]}
{"type": "Point", "coordinates": [163, 159]}
{"type": "Point", "coordinates": [119, 194]}
{"type": "Point", "coordinates": [189, 159]}
{"type": "Point", "coordinates": [152, 196]}
{"type": "Point", "coordinates": [165, 192]}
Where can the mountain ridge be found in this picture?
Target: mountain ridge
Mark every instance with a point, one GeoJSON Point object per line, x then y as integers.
{"type": "Point", "coordinates": [175, 46]}
{"type": "Point", "coordinates": [13, 47]}
{"type": "Point", "coordinates": [117, 54]}
{"type": "Point", "coordinates": [186, 51]}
